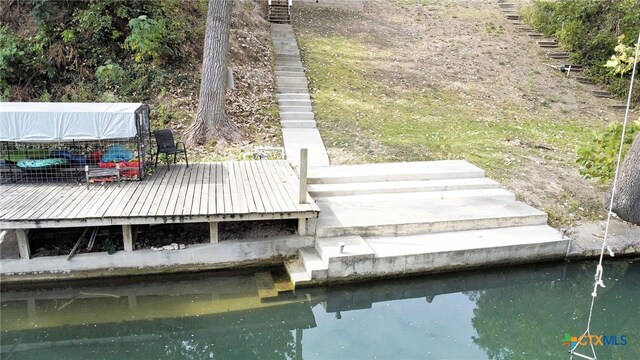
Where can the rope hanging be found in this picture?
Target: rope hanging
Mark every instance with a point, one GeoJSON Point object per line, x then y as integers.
{"type": "Point", "coordinates": [599, 268]}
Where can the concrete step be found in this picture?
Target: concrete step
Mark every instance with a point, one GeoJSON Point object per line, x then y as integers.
{"type": "Point", "coordinates": [290, 63]}
{"type": "Point", "coordinates": [513, 17]}
{"type": "Point", "coordinates": [535, 35]}
{"type": "Point", "coordinates": [294, 103]}
{"type": "Point", "coordinates": [389, 187]}
{"type": "Point", "coordinates": [296, 109]}
{"type": "Point", "coordinates": [297, 273]}
{"type": "Point", "coordinates": [265, 284]}
{"type": "Point", "coordinates": [302, 83]}
{"type": "Point", "coordinates": [295, 139]}
{"type": "Point", "coordinates": [288, 57]}
{"type": "Point", "coordinates": [300, 124]}
{"type": "Point", "coordinates": [296, 116]}
{"type": "Point", "coordinates": [313, 264]}
{"type": "Point", "coordinates": [290, 74]}
{"type": "Point", "coordinates": [494, 193]}
{"type": "Point", "coordinates": [328, 248]}
{"type": "Point", "coordinates": [299, 79]}
{"type": "Point", "coordinates": [506, 5]}
{"type": "Point", "coordinates": [299, 90]}
{"type": "Point", "coordinates": [287, 54]}
{"type": "Point", "coordinates": [290, 68]}
{"type": "Point", "coordinates": [424, 170]}
{"type": "Point", "coordinates": [462, 249]}
{"type": "Point", "coordinates": [411, 217]}
{"type": "Point", "coordinates": [293, 97]}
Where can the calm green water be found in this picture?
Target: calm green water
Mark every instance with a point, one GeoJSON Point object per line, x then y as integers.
{"type": "Point", "coordinates": [512, 313]}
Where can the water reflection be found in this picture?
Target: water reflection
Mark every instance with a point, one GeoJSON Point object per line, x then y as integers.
{"type": "Point", "coordinates": [511, 313]}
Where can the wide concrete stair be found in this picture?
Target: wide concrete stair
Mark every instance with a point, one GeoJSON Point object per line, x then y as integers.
{"type": "Point", "coordinates": [403, 218]}
{"type": "Point", "coordinates": [299, 127]}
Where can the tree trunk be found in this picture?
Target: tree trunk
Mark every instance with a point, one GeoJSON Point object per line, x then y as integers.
{"type": "Point", "coordinates": [212, 121]}
{"type": "Point", "coordinates": [627, 197]}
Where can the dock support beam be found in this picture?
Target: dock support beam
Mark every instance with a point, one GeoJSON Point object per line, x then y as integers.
{"type": "Point", "coordinates": [302, 226]}
{"type": "Point", "coordinates": [23, 243]}
{"type": "Point", "coordinates": [304, 156]}
{"type": "Point", "coordinates": [213, 232]}
{"type": "Point", "coordinates": [127, 237]}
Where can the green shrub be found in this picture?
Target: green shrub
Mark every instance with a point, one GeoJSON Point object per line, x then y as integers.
{"type": "Point", "coordinates": [148, 39]}
{"type": "Point", "coordinates": [9, 56]}
{"type": "Point", "coordinates": [598, 160]}
{"type": "Point", "coordinates": [110, 75]}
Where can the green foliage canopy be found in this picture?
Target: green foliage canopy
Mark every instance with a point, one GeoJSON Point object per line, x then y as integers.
{"type": "Point", "coordinates": [70, 50]}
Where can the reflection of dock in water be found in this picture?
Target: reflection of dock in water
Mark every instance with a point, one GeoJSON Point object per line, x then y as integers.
{"type": "Point", "coordinates": [141, 301]}
{"type": "Point", "coordinates": [218, 310]}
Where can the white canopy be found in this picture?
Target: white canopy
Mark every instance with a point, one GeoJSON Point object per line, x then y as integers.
{"type": "Point", "coordinates": [49, 122]}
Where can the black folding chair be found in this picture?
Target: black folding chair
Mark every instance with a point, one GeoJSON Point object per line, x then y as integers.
{"type": "Point", "coordinates": [168, 146]}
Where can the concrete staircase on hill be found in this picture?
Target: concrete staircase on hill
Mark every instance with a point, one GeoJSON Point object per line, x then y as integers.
{"type": "Point", "coordinates": [296, 115]}
{"type": "Point", "coordinates": [403, 218]}
{"type": "Point", "coordinates": [279, 11]}
{"type": "Point", "coordinates": [513, 15]}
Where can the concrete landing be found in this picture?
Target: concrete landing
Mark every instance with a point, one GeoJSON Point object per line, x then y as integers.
{"type": "Point", "coordinates": [299, 127]}
{"type": "Point", "coordinates": [381, 220]}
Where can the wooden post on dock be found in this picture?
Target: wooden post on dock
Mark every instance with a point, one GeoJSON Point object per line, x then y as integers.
{"type": "Point", "coordinates": [213, 232]}
{"type": "Point", "coordinates": [304, 156]}
{"type": "Point", "coordinates": [127, 237]}
{"type": "Point", "coordinates": [23, 243]}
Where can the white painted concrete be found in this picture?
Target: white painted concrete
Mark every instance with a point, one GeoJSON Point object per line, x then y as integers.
{"type": "Point", "coordinates": [388, 187]}
{"type": "Point", "coordinates": [426, 170]}
{"type": "Point", "coordinates": [495, 193]}
{"type": "Point", "coordinates": [297, 116]}
{"type": "Point", "coordinates": [298, 124]}
{"type": "Point", "coordinates": [404, 217]}
{"type": "Point", "coordinates": [222, 254]}
{"type": "Point", "coordinates": [295, 139]}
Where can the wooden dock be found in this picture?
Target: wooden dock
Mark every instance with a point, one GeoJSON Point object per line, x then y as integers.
{"type": "Point", "coordinates": [203, 192]}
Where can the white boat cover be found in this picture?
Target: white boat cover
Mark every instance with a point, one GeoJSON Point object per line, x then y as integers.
{"type": "Point", "coordinates": [52, 122]}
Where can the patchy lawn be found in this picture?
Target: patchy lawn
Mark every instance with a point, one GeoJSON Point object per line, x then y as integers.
{"type": "Point", "coordinates": [427, 80]}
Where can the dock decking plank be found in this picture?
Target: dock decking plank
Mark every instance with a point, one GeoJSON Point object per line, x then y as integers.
{"type": "Point", "coordinates": [252, 206]}
{"type": "Point", "coordinates": [251, 190]}
{"type": "Point", "coordinates": [195, 188]}
{"type": "Point", "coordinates": [154, 192]}
{"type": "Point", "coordinates": [18, 202]}
{"type": "Point", "coordinates": [176, 201]}
{"type": "Point", "coordinates": [124, 195]}
{"type": "Point", "coordinates": [204, 194]}
{"type": "Point", "coordinates": [220, 179]}
{"type": "Point", "coordinates": [45, 201]}
{"type": "Point", "coordinates": [170, 190]}
{"type": "Point", "coordinates": [228, 200]}
{"type": "Point", "coordinates": [262, 192]}
{"type": "Point", "coordinates": [72, 198]}
{"type": "Point", "coordinates": [183, 189]}
{"type": "Point", "coordinates": [279, 197]}
{"type": "Point", "coordinates": [237, 190]}
{"type": "Point", "coordinates": [142, 193]}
